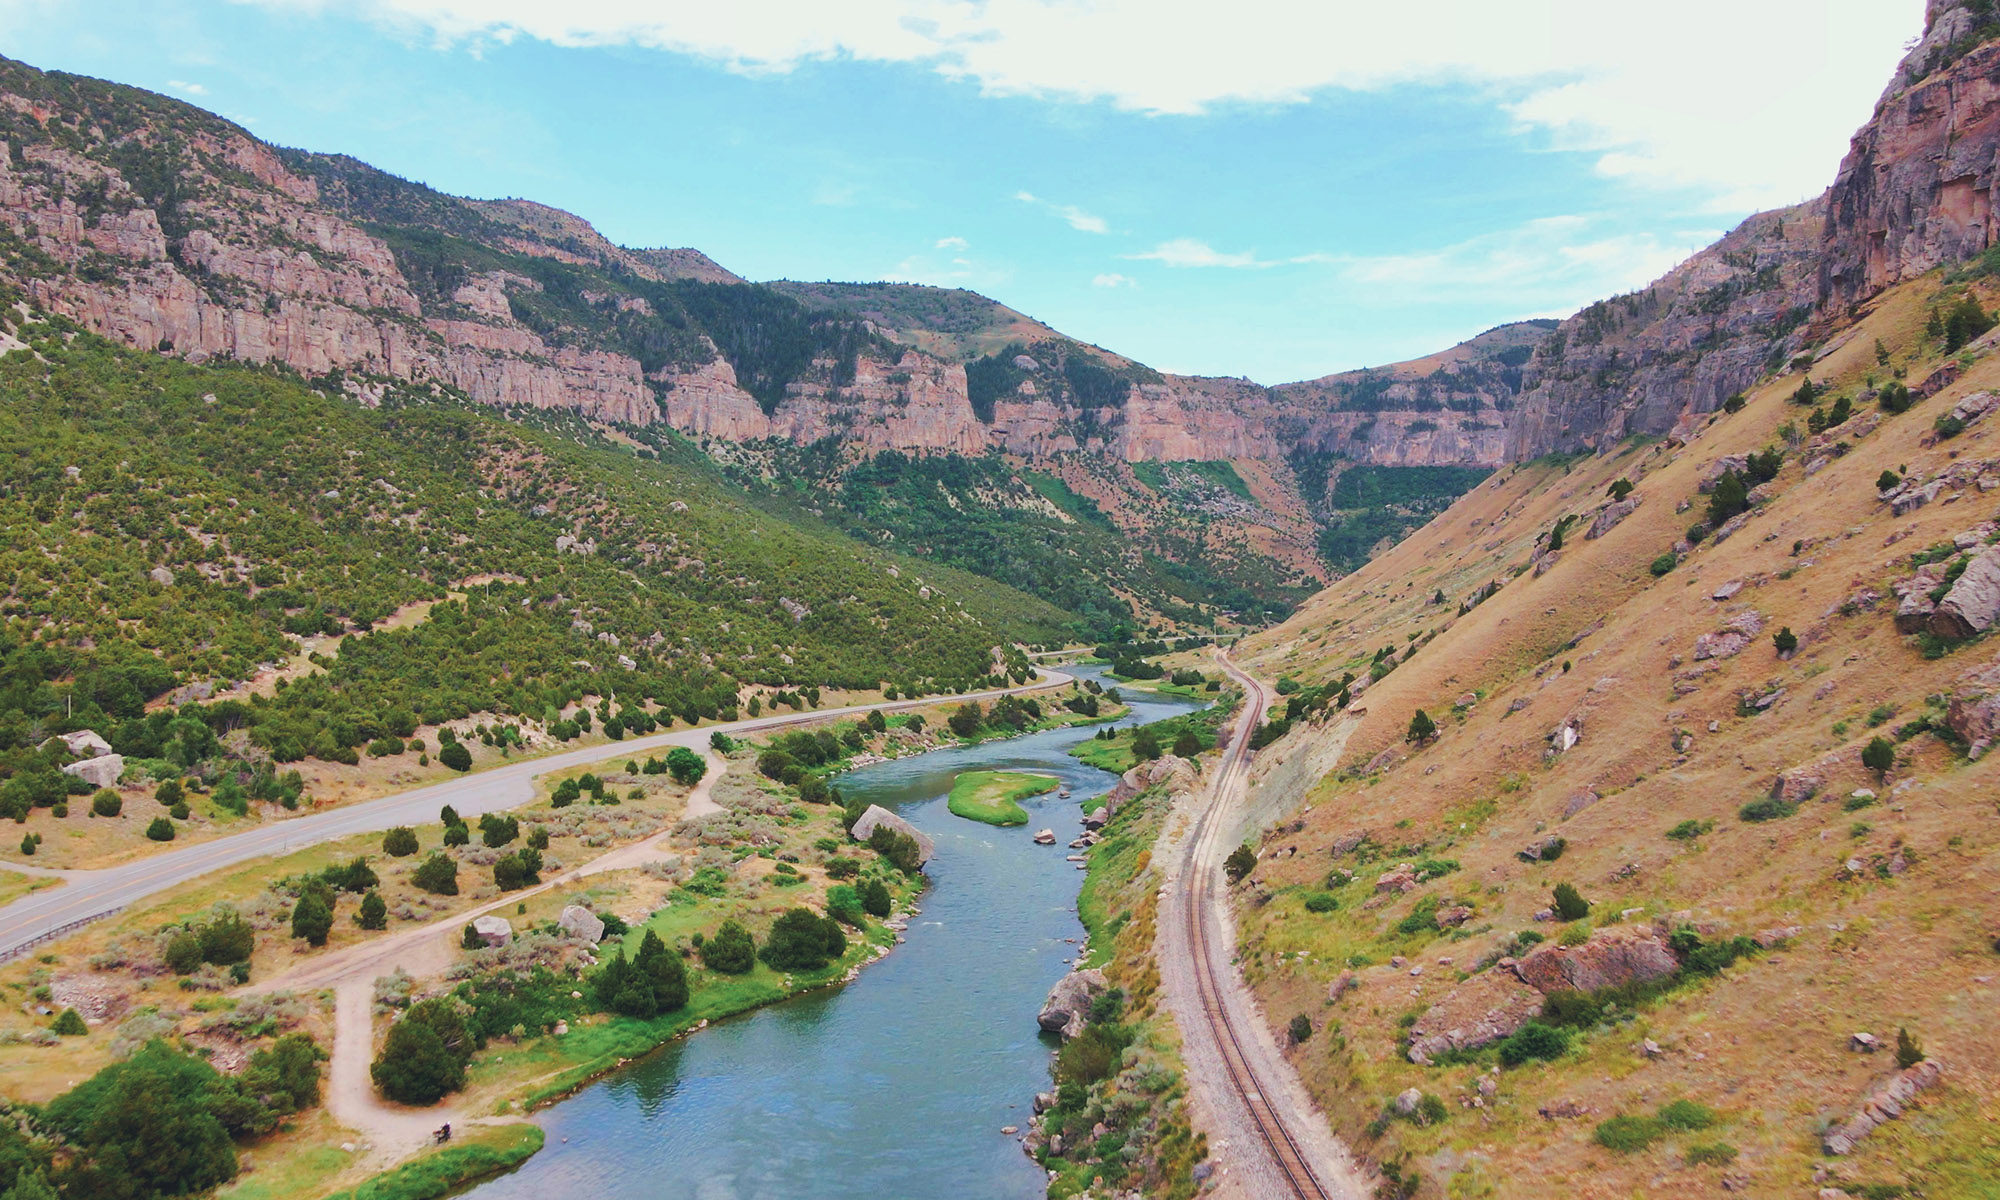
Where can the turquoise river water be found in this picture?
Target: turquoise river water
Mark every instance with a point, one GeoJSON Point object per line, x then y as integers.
{"type": "Point", "coordinates": [895, 1086]}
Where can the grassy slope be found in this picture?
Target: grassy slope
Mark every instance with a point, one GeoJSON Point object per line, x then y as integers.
{"type": "Point", "coordinates": [991, 796]}
{"type": "Point", "coordinates": [1766, 1042]}
{"type": "Point", "coordinates": [472, 1155]}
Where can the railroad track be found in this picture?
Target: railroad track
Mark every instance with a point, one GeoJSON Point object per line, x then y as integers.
{"type": "Point", "coordinates": [1199, 893]}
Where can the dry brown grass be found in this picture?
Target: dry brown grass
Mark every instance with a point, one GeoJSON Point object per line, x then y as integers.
{"type": "Point", "coordinates": [1766, 1043]}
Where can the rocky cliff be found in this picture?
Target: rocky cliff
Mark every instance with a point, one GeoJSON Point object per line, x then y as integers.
{"type": "Point", "coordinates": [1916, 189]}
{"type": "Point", "coordinates": [162, 226]}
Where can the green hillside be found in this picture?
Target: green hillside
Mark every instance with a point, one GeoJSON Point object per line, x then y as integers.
{"type": "Point", "coordinates": [167, 523]}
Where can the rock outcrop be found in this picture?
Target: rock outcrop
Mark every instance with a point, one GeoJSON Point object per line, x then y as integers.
{"type": "Point", "coordinates": [1067, 1010]}
{"type": "Point", "coordinates": [1973, 603]}
{"type": "Point", "coordinates": [1485, 1008]}
{"type": "Point", "coordinates": [1611, 958]}
{"type": "Point", "coordinates": [1885, 1103]}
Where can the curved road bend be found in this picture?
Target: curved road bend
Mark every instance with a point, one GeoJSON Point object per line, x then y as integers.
{"type": "Point", "coordinates": [96, 893]}
{"type": "Point", "coordinates": [1265, 1128]}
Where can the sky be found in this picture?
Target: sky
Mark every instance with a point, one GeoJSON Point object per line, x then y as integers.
{"type": "Point", "coordinates": [1276, 189]}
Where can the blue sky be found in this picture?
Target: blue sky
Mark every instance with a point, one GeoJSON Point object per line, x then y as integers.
{"type": "Point", "coordinates": [1270, 188]}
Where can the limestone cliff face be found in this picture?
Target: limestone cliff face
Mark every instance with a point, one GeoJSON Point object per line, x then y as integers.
{"type": "Point", "coordinates": [1646, 362]}
{"type": "Point", "coordinates": [1917, 187]}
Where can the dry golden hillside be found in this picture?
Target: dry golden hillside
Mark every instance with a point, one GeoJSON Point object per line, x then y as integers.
{"type": "Point", "coordinates": [1877, 911]}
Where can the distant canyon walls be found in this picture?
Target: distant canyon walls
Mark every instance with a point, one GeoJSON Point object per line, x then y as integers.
{"type": "Point", "coordinates": [173, 230]}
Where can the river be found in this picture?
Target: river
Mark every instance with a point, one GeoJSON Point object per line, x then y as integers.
{"type": "Point", "coordinates": [895, 1086]}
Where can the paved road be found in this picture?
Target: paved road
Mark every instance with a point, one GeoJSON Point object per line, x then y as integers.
{"type": "Point", "coordinates": [87, 895]}
{"type": "Point", "coordinates": [1269, 1138]}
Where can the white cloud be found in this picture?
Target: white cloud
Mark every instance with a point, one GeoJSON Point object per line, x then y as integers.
{"type": "Point", "coordinates": [1653, 91]}
{"type": "Point", "coordinates": [1078, 219]}
{"type": "Point", "coordinates": [1112, 279]}
{"type": "Point", "coordinates": [186, 88]}
{"type": "Point", "coordinates": [951, 243]}
{"type": "Point", "coordinates": [1190, 252]}
{"type": "Point", "coordinates": [1550, 266]}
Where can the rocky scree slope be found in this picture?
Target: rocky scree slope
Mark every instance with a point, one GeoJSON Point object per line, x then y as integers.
{"type": "Point", "coordinates": [1615, 710]}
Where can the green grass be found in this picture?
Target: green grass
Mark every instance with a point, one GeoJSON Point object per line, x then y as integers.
{"type": "Point", "coordinates": [1114, 753]}
{"type": "Point", "coordinates": [473, 1155]}
{"type": "Point", "coordinates": [991, 796]}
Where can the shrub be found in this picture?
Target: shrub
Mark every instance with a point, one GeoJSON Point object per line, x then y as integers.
{"type": "Point", "coordinates": [1894, 397]}
{"type": "Point", "coordinates": [1241, 862]}
{"type": "Point", "coordinates": [1785, 640]}
{"type": "Point", "coordinates": [456, 756]}
{"type": "Point", "coordinates": [469, 939]}
{"type": "Point", "coordinates": [523, 868]}
{"type": "Point", "coordinates": [1301, 1029]}
{"type": "Point", "coordinates": [1887, 480]}
{"type": "Point", "coordinates": [69, 1024]}
{"type": "Point", "coordinates": [1145, 745]}
{"type": "Point", "coordinates": [1187, 744]}
{"type": "Point", "coordinates": [842, 868]}
{"type": "Point", "coordinates": [1320, 902]}
{"type": "Point", "coordinates": [183, 952]}
{"type": "Point", "coordinates": [106, 803]}
{"type": "Point", "coordinates": [1569, 904]}
{"type": "Point", "coordinates": [374, 913]}
{"type": "Point", "coordinates": [1879, 755]}
{"type": "Point", "coordinates": [1626, 1135]}
{"type": "Point", "coordinates": [1765, 808]}
{"type": "Point", "coordinates": [1909, 1051]}
{"type": "Point", "coordinates": [159, 830]}
{"type": "Point", "coordinates": [1735, 403]}
{"type": "Point", "coordinates": [843, 904]}
{"type": "Point", "coordinates": [875, 898]}
{"type": "Point", "coordinates": [312, 918]}
{"type": "Point", "coordinates": [424, 1056]}
{"type": "Point", "coordinates": [496, 831]}
{"type": "Point", "coordinates": [1948, 426]}
{"type": "Point", "coordinates": [1663, 565]}
{"type": "Point", "coordinates": [157, 1124]}
{"type": "Point", "coordinates": [732, 950]}
{"type": "Point", "coordinates": [1687, 1115]}
{"type": "Point", "coordinates": [1534, 1042]}
{"type": "Point", "coordinates": [802, 940]}
{"type": "Point", "coordinates": [400, 842]}
{"type": "Point", "coordinates": [437, 874]}
{"type": "Point", "coordinates": [227, 939]}
{"type": "Point", "coordinates": [1620, 488]}
{"type": "Point", "coordinates": [686, 766]}
{"type": "Point", "coordinates": [1711, 1154]}
{"type": "Point", "coordinates": [457, 834]}
{"type": "Point", "coordinates": [354, 876]}
{"type": "Point", "coordinates": [1422, 728]}
{"type": "Point", "coordinates": [169, 793]}
{"type": "Point", "coordinates": [1689, 830]}
{"type": "Point", "coordinates": [1730, 497]}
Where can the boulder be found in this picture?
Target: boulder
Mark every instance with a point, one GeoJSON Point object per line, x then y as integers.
{"type": "Point", "coordinates": [1402, 879]}
{"type": "Point", "coordinates": [1913, 612]}
{"type": "Point", "coordinates": [1884, 1103]}
{"type": "Point", "coordinates": [1726, 644]}
{"type": "Point", "coordinates": [1609, 517]}
{"type": "Point", "coordinates": [1865, 1043]}
{"type": "Point", "coordinates": [1975, 407]}
{"type": "Point", "coordinates": [1541, 849]}
{"type": "Point", "coordinates": [1726, 590]}
{"type": "Point", "coordinates": [578, 921]}
{"type": "Point", "coordinates": [1485, 1008]}
{"type": "Point", "coordinates": [1797, 785]}
{"type": "Point", "coordinates": [102, 771]}
{"type": "Point", "coordinates": [161, 576]}
{"type": "Point", "coordinates": [494, 931]}
{"type": "Point", "coordinates": [1067, 1009]}
{"type": "Point", "coordinates": [1973, 603]}
{"type": "Point", "coordinates": [1713, 473]}
{"type": "Point", "coordinates": [877, 816]}
{"type": "Point", "coordinates": [1974, 711]}
{"type": "Point", "coordinates": [86, 743]}
{"type": "Point", "coordinates": [1045, 837]}
{"type": "Point", "coordinates": [1611, 958]}
{"type": "Point", "coordinates": [1406, 1101]}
